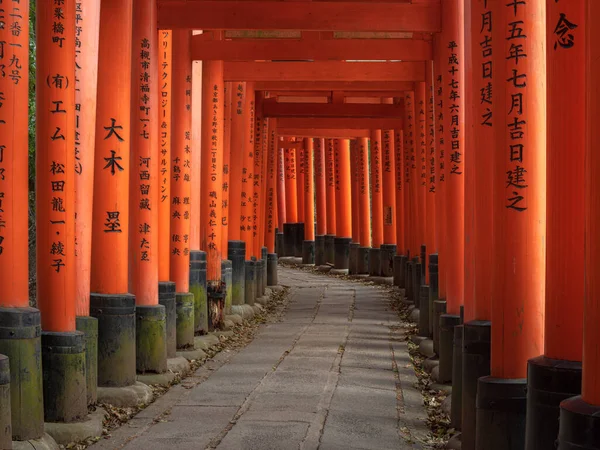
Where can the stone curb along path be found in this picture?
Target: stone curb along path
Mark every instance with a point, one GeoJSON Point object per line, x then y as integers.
{"type": "Point", "coordinates": [329, 369]}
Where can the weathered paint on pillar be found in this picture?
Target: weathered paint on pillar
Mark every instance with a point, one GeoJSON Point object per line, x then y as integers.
{"type": "Point", "coordinates": [430, 160]}
{"type": "Point", "coordinates": [300, 185]}
{"type": "Point", "coordinates": [110, 231]}
{"type": "Point", "coordinates": [330, 192]}
{"type": "Point", "coordinates": [272, 179]}
{"type": "Point", "coordinates": [519, 191]}
{"type": "Point", "coordinates": [376, 189]}
{"type": "Point", "coordinates": [227, 117]}
{"type": "Point", "coordinates": [14, 163]}
{"type": "Point", "coordinates": [454, 47]}
{"type": "Point", "coordinates": [440, 78]}
{"type": "Point", "coordinates": [211, 213]}
{"type": "Point", "coordinates": [87, 22]}
{"type": "Point", "coordinates": [410, 179]}
{"type": "Point", "coordinates": [55, 164]}
{"type": "Point", "coordinates": [165, 76]}
{"type": "Point", "coordinates": [400, 186]}
{"type": "Point", "coordinates": [321, 187]}
{"type": "Point", "coordinates": [364, 200]}
{"type": "Point", "coordinates": [143, 201]}
{"type": "Point", "coordinates": [291, 199]}
{"type": "Point", "coordinates": [246, 223]}
{"type": "Point", "coordinates": [236, 170]}
{"type": "Point", "coordinates": [281, 195]}
{"type": "Point", "coordinates": [309, 191]}
{"type": "Point", "coordinates": [354, 191]}
{"type": "Point", "coordinates": [420, 149]}
{"type": "Point", "coordinates": [343, 193]}
{"type": "Point", "coordinates": [181, 163]}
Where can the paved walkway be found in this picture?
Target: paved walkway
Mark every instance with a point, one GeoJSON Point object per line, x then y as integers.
{"type": "Point", "coordinates": [333, 374]}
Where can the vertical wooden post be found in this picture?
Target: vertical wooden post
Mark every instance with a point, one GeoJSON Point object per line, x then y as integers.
{"type": "Point", "coordinates": [227, 119]}
{"type": "Point", "coordinates": [290, 228]}
{"type": "Point", "coordinates": [272, 180]}
{"type": "Point", "coordinates": [558, 370]}
{"type": "Point", "coordinates": [300, 155]}
{"type": "Point", "coordinates": [354, 192]}
{"type": "Point", "coordinates": [238, 133]}
{"type": "Point", "coordinates": [165, 58]}
{"type": "Point", "coordinates": [420, 146]}
{"type": "Point", "coordinates": [343, 203]}
{"type": "Point", "coordinates": [399, 186]}
{"type": "Point", "coordinates": [410, 168]}
{"type": "Point", "coordinates": [308, 246]}
{"type": "Point", "coordinates": [196, 118]}
{"type": "Point", "coordinates": [364, 205]}
{"type": "Point", "coordinates": [212, 169]}
{"type": "Point", "coordinates": [257, 165]}
{"type": "Point", "coordinates": [281, 194]}
{"type": "Point", "coordinates": [430, 162]}
{"type": "Point", "coordinates": [388, 163]}
{"type": "Point", "coordinates": [321, 188]}
{"type": "Point", "coordinates": [87, 22]}
{"type": "Point", "coordinates": [376, 189]}
{"type": "Point", "coordinates": [519, 217]}
{"type": "Point", "coordinates": [330, 199]}
{"type": "Point", "coordinates": [246, 222]}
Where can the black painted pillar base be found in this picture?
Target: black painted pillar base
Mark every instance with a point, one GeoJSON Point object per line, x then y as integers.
{"type": "Point", "coordinates": [289, 239]}
{"type": "Point", "coordinates": [549, 382]}
{"type": "Point", "coordinates": [260, 275]}
{"type": "Point", "coordinates": [434, 289]}
{"type": "Point", "coordinates": [457, 379]}
{"type": "Point", "coordinates": [5, 420]}
{"type": "Point", "coordinates": [330, 248]}
{"type": "Point", "coordinates": [417, 282]}
{"type": "Point", "coordinates": [250, 283]}
{"type": "Point", "coordinates": [362, 262]}
{"type": "Point", "coordinates": [375, 262]}
{"type": "Point", "coordinates": [89, 327]}
{"type": "Point", "coordinates": [424, 330]}
{"type": "Point", "coordinates": [341, 247]}
{"type": "Point", "coordinates": [400, 271]}
{"type": "Point", "coordinates": [227, 276]}
{"type": "Point", "coordinates": [579, 425]}
{"type": "Point", "coordinates": [184, 306]}
{"type": "Point", "coordinates": [279, 244]}
{"type": "Point", "coordinates": [308, 252]}
{"type": "Point", "coordinates": [439, 308]}
{"type": "Point", "coordinates": [386, 259]}
{"type": "Point", "coordinates": [501, 405]}
{"type": "Point", "coordinates": [423, 262]}
{"type": "Point", "coordinates": [63, 368]}
{"type": "Point", "coordinates": [476, 364]}
{"type": "Point", "coordinates": [216, 304]}
{"type": "Point", "coordinates": [446, 346]}
{"type": "Point", "coordinates": [263, 256]}
{"type": "Point", "coordinates": [151, 338]}
{"type": "Point", "coordinates": [20, 340]}
{"type": "Point", "coordinates": [166, 297]}
{"type": "Point", "coordinates": [116, 338]}
{"type": "Point", "coordinates": [353, 269]}
{"type": "Point", "coordinates": [299, 244]}
{"type": "Point", "coordinates": [198, 289]}
{"type": "Point", "coordinates": [236, 253]}
{"type": "Point", "coordinates": [272, 264]}
{"type": "Point", "coordinates": [408, 277]}
{"type": "Point", "coordinates": [320, 259]}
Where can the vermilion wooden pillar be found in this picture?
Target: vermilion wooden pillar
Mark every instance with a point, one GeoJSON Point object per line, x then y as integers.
{"type": "Point", "coordinates": [355, 244]}
{"type": "Point", "coordinates": [400, 186]}
{"type": "Point", "coordinates": [330, 200]}
{"type": "Point", "coordinates": [212, 170]}
{"type": "Point", "coordinates": [519, 200]}
{"type": "Point", "coordinates": [291, 229]}
{"type": "Point", "coordinates": [272, 178]}
{"type": "Point", "coordinates": [430, 162]}
{"type": "Point", "coordinates": [165, 56]}
{"type": "Point", "coordinates": [321, 200]}
{"type": "Point", "coordinates": [257, 182]}
{"type": "Point", "coordinates": [558, 371]}
{"type": "Point", "coordinates": [281, 194]}
{"type": "Point", "coordinates": [86, 72]}
{"type": "Point", "coordinates": [238, 133]}
{"type": "Point", "coordinates": [195, 198]}
{"type": "Point", "coordinates": [376, 203]}
{"type": "Point", "coordinates": [308, 246]}
{"type": "Point", "coordinates": [300, 155]}
{"type": "Point", "coordinates": [343, 203]}
{"type": "Point", "coordinates": [246, 221]}
{"type": "Point", "coordinates": [410, 201]}
{"type": "Point", "coordinates": [478, 213]}
{"type": "Point", "coordinates": [389, 188]}
{"type": "Point", "coordinates": [420, 148]}
{"type": "Point", "coordinates": [578, 426]}
{"type": "Point", "coordinates": [364, 205]}
{"type": "Point", "coordinates": [227, 118]}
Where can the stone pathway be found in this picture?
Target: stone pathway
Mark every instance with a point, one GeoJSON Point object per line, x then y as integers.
{"type": "Point", "coordinates": [333, 374]}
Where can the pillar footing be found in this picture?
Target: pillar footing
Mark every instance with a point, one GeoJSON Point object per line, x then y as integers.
{"type": "Point", "coordinates": [250, 282]}
{"type": "Point", "coordinates": [320, 259]}
{"type": "Point", "coordinates": [341, 247]}
{"type": "Point", "coordinates": [227, 276]}
{"type": "Point", "coordinates": [362, 264]}
{"type": "Point", "coordinates": [375, 262]}
{"type": "Point", "coordinates": [184, 305]}
{"type": "Point", "coordinates": [116, 338]}
{"type": "Point", "coordinates": [424, 330]}
{"type": "Point", "coordinates": [579, 425]}
{"type": "Point", "coordinates": [279, 244]}
{"type": "Point", "coordinates": [236, 253]}
{"type": "Point", "coordinates": [272, 265]}
{"type": "Point", "coordinates": [446, 346]}
{"type": "Point", "coordinates": [67, 433]}
{"type": "Point", "coordinates": [457, 378]}
{"type": "Point", "coordinates": [400, 271]}
{"type": "Point", "coordinates": [151, 338]}
{"type": "Point", "coordinates": [89, 327]}
{"type": "Point", "coordinates": [501, 407]}
{"type": "Point", "coordinates": [216, 305]}
{"type": "Point", "coordinates": [308, 252]}
{"type": "Point", "coordinates": [63, 368]}
{"type": "Point", "coordinates": [329, 248]}
{"type": "Point", "coordinates": [5, 420]}
{"type": "Point", "coordinates": [198, 289]}
{"type": "Point", "coordinates": [126, 396]}
{"type": "Point", "coordinates": [439, 308]}
{"type": "Point", "coordinates": [549, 381]}
{"type": "Point", "coordinates": [264, 252]}
{"type": "Point", "coordinates": [353, 269]}
{"type": "Point", "coordinates": [476, 364]}
{"type": "Point", "coordinates": [386, 259]}
{"type": "Point", "coordinates": [166, 297]}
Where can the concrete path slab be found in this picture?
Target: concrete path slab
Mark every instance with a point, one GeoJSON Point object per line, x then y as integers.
{"type": "Point", "coordinates": [333, 373]}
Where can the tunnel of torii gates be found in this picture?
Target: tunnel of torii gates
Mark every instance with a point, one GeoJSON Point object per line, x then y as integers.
{"type": "Point", "coordinates": [440, 143]}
